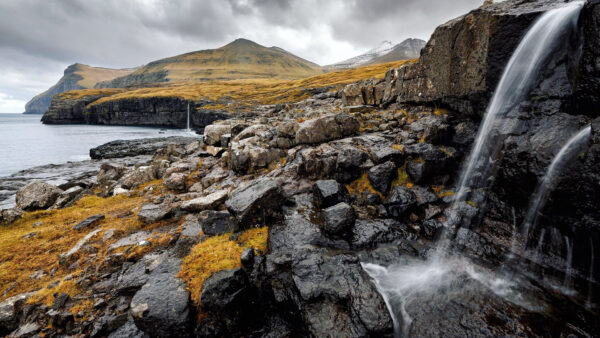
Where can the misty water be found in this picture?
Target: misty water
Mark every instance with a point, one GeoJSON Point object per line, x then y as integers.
{"type": "Point", "coordinates": [25, 142]}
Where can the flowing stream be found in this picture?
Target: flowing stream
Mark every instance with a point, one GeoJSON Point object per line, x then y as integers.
{"type": "Point", "coordinates": [402, 284]}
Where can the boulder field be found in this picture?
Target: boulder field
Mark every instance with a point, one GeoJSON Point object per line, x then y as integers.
{"type": "Point", "coordinates": [333, 182]}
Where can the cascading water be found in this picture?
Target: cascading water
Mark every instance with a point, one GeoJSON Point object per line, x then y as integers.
{"type": "Point", "coordinates": [402, 284]}
{"type": "Point", "coordinates": [549, 180]}
{"type": "Point", "coordinates": [518, 77]}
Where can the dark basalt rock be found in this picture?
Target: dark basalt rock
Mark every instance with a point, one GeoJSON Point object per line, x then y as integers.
{"type": "Point", "coordinates": [255, 203]}
{"type": "Point", "coordinates": [128, 148]}
{"type": "Point", "coordinates": [338, 219]}
{"type": "Point", "coordinates": [382, 175]}
{"type": "Point", "coordinates": [217, 222]}
{"type": "Point", "coordinates": [328, 193]}
{"type": "Point", "coordinates": [162, 306]}
{"type": "Point", "coordinates": [400, 201]}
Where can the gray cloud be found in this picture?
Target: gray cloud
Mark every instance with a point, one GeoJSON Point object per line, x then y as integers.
{"type": "Point", "coordinates": [39, 38]}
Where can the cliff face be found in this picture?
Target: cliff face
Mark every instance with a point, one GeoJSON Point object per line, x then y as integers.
{"type": "Point", "coordinates": [152, 111]}
{"type": "Point", "coordinates": [76, 76]}
{"type": "Point", "coordinates": [41, 102]}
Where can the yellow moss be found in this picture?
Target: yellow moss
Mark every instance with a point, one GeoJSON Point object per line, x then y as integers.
{"type": "Point", "coordinates": [471, 203]}
{"type": "Point", "coordinates": [218, 253]}
{"type": "Point", "coordinates": [85, 306]}
{"type": "Point", "coordinates": [402, 178]}
{"type": "Point", "coordinates": [398, 147]}
{"type": "Point", "coordinates": [46, 296]}
{"type": "Point", "coordinates": [362, 185]}
{"type": "Point", "coordinates": [440, 112]}
{"type": "Point", "coordinates": [20, 257]}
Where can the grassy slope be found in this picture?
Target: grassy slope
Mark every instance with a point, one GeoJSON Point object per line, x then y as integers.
{"type": "Point", "coordinates": [241, 59]}
{"type": "Point", "coordinates": [92, 75]}
{"type": "Point", "coordinates": [252, 91]}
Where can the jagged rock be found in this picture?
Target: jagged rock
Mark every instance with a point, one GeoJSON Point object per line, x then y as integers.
{"type": "Point", "coordinates": [385, 154]}
{"type": "Point", "coordinates": [217, 222]}
{"type": "Point", "coordinates": [61, 319]}
{"type": "Point", "coordinates": [9, 311]}
{"type": "Point", "coordinates": [146, 146]}
{"type": "Point", "coordinates": [88, 222]}
{"type": "Point", "coordinates": [151, 213]}
{"type": "Point", "coordinates": [176, 181]}
{"type": "Point", "coordinates": [432, 229]}
{"type": "Point", "coordinates": [213, 133]}
{"type": "Point", "coordinates": [288, 129]}
{"type": "Point", "coordinates": [328, 193]}
{"type": "Point", "coordinates": [247, 258]}
{"type": "Point", "coordinates": [67, 196]}
{"type": "Point", "coordinates": [67, 258]}
{"type": "Point", "coordinates": [37, 195]}
{"type": "Point", "coordinates": [338, 219]}
{"type": "Point", "coordinates": [8, 216]}
{"type": "Point", "coordinates": [326, 128]}
{"type": "Point", "coordinates": [128, 330]}
{"type": "Point", "coordinates": [26, 330]}
{"type": "Point", "coordinates": [260, 130]}
{"type": "Point", "coordinates": [211, 201]}
{"type": "Point", "coordinates": [367, 233]}
{"type": "Point", "coordinates": [400, 201]}
{"type": "Point", "coordinates": [137, 177]}
{"type": "Point", "coordinates": [352, 95]}
{"type": "Point", "coordinates": [162, 306]}
{"type": "Point", "coordinates": [424, 195]}
{"type": "Point", "coordinates": [382, 175]}
{"type": "Point", "coordinates": [224, 290]}
{"type": "Point", "coordinates": [251, 153]}
{"type": "Point", "coordinates": [256, 202]}
{"type": "Point", "coordinates": [108, 324]}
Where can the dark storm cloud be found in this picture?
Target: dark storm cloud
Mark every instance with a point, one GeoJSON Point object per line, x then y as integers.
{"type": "Point", "coordinates": [39, 38]}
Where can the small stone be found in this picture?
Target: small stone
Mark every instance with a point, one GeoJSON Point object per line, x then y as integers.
{"type": "Point", "coordinates": [204, 203]}
{"type": "Point", "coordinates": [151, 213]}
{"type": "Point", "coordinates": [328, 193]}
{"type": "Point", "coordinates": [89, 222]}
{"type": "Point", "coordinates": [247, 258]}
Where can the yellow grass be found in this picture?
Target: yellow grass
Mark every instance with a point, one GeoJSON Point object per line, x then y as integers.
{"type": "Point", "coordinates": [247, 92]}
{"type": "Point", "coordinates": [93, 75]}
{"type": "Point", "coordinates": [218, 253]}
{"type": "Point", "coordinates": [77, 94]}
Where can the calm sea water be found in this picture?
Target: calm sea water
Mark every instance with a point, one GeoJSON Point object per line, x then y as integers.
{"type": "Point", "coordinates": [25, 142]}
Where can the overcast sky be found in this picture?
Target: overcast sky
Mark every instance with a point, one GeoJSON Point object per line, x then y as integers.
{"type": "Point", "coordinates": [40, 38]}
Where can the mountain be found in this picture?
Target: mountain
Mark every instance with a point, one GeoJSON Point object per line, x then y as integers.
{"type": "Point", "coordinates": [386, 51]}
{"type": "Point", "coordinates": [407, 49]}
{"type": "Point", "coordinates": [240, 59]}
{"type": "Point", "coordinates": [383, 48]}
{"type": "Point", "coordinates": [76, 76]}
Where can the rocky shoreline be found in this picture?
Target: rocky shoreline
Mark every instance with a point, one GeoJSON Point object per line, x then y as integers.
{"type": "Point", "coordinates": [294, 200]}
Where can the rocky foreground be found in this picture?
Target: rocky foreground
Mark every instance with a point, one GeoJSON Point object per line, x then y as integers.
{"type": "Point", "coordinates": [260, 226]}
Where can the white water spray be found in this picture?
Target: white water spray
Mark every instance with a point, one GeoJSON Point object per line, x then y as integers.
{"type": "Point", "coordinates": [188, 119]}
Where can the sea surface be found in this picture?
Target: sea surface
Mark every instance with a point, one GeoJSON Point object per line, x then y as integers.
{"type": "Point", "coordinates": [25, 142]}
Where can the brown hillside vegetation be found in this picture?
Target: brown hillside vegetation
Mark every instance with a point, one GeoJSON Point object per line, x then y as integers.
{"type": "Point", "coordinates": [249, 91]}
{"type": "Point", "coordinates": [241, 59]}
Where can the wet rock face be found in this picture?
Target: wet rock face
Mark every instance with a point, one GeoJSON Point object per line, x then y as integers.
{"type": "Point", "coordinates": [37, 195]}
{"type": "Point", "coordinates": [256, 202]}
{"type": "Point", "coordinates": [161, 307]}
{"type": "Point", "coordinates": [587, 79]}
{"type": "Point", "coordinates": [329, 192]}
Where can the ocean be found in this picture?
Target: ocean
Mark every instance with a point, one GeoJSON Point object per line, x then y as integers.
{"type": "Point", "coordinates": [25, 142]}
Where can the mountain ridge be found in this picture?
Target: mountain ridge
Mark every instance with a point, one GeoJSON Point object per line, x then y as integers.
{"type": "Point", "coordinates": [386, 51]}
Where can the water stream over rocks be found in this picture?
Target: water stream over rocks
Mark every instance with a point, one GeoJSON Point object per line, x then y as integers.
{"type": "Point", "coordinates": [445, 272]}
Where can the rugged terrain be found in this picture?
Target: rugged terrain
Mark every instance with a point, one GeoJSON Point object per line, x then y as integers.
{"type": "Point", "coordinates": [76, 76]}
{"type": "Point", "coordinates": [262, 225]}
{"type": "Point", "coordinates": [385, 52]}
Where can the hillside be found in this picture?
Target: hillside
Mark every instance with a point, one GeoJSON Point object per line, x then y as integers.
{"type": "Point", "coordinates": [76, 76]}
{"type": "Point", "coordinates": [386, 51]}
{"type": "Point", "coordinates": [407, 49]}
{"type": "Point", "coordinates": [241, 59]}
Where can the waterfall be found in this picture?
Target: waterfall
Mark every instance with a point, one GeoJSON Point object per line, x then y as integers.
{"type": "Point", "coordinates": [549, 180]}
{"type": "Point", "coordinates": [188, 119]}
{"type": "Point", "coordinates": [518, 77]}
{"type": "Point", "coordinates": [568, 266]}
{"type": "Point", "coordinates": [403, 284]}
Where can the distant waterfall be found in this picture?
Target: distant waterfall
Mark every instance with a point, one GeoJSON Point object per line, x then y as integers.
{"type": "Point", "coordinates": [188, 118]}
{"type": "Point", "coordinates": [518, 77]}
{"type": "Point", "coordinates": [403, 284]}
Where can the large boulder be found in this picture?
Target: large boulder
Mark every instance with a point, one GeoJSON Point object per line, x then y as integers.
{"type": "Point", "coordinates": [213, 133]}
{"type": "Point", "coordinates": [136, 177]}
{"type": "Point", "coordinates": [328, 193]}
{"type": "Point", "coordinates": [255, 203]}
{"type": "Point", "coordinates": [401, 201]}
{"type": "Point", "coordinates": [8, 216]}
{"type": "Point", "coordinates": [37, 195]}
{"type": "Point", "coordinates": [206, 202]}
{"type": "Point", "coordinates": [217, 222]}
{"type": "Point", "coordinates": [326, 128]}
{"type": "Point", "coordinates": [151, 213]}
{"type": "Point", "coordinates": [161, 308]}
{"type": "Point", "coordinates": [338, 219]}
{"type": "Point", "coordinates": [9, 312]}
